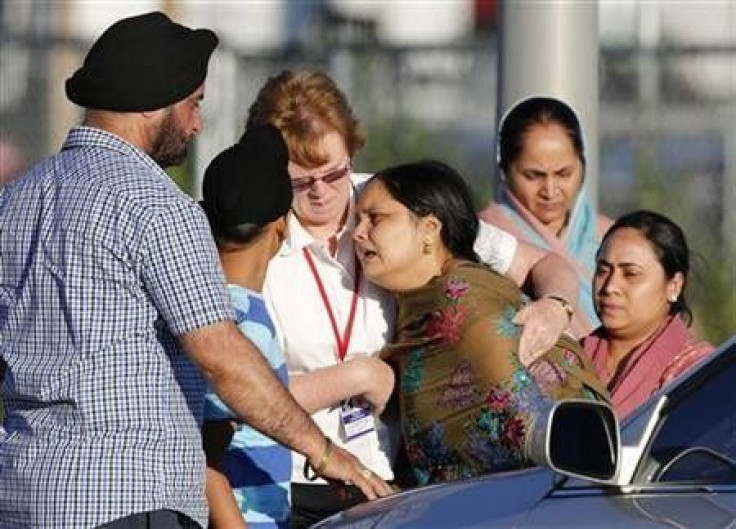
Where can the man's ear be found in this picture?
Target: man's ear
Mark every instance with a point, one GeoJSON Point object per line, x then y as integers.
{"type": "Point", "coordinates": [152, 114]}
{"type": "Point", "coordinates": [282, 227]}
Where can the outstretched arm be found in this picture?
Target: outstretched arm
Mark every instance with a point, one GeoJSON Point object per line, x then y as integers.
{"type": "Point", "coordinates": [552, 279]}
{"type": "Point", "coordinates": [547, 274]}
{"type": "Point", "coordinates": [368, 377]}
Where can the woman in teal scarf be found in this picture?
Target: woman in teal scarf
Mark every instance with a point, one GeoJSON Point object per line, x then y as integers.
{"type": "Point", "coordinates": [542, 198]}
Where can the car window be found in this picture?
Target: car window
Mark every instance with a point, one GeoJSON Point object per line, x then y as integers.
{"type": "Point", "coordinates": [696, 440]}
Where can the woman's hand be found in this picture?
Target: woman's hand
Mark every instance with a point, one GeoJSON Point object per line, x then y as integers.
{"type": "Point", "coordinates": [376, 380]}
{"type": "Point", "coordinates": [543, 322]}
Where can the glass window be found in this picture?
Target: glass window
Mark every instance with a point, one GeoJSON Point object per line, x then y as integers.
{"type": "Point", "coordinates": [697, 439]}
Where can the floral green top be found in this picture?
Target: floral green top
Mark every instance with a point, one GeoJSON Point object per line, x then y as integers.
{"type": "Point", "coordinates": [466, 400]}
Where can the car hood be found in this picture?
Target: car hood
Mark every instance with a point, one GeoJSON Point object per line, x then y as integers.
{"type": "Point", "coordinates": [504, 497]}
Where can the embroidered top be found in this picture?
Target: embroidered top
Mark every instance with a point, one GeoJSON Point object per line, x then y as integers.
{"type": "Point", "coordinates": [466, 400]}
{"type": "Point", "coordinates": [307, 338]}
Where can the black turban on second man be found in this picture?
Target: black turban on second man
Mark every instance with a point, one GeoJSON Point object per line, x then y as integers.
{"type": "Point", "coordinates": [248, 183]}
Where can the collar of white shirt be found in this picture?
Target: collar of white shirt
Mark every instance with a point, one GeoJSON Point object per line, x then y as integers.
{"type": "Point", "coordinates": [298, 237]}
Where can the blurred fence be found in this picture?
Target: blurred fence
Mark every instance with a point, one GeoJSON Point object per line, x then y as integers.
{"type": "Point", "coordinates": [667, 126]}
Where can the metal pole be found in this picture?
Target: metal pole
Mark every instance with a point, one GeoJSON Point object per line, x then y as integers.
{"type": "Point", "coordinates": [551, 48]}
{"type": "Point", "coordinates": [729, 190]}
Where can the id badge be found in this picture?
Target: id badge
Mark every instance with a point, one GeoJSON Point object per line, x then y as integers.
{"type": "Point", "coordinates": [356, 420]}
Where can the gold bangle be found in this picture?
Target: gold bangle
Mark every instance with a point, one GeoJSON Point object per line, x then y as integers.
{"type": "Point", "coordinates": [325, 457]}
{"type": "Point", "coordinates": [310, 472]}
{"type": "Point", "coordinates": [569, 310]}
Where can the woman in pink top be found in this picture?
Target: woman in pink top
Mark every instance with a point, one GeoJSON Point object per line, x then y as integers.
{"type": "Point", "coordinates": [639, 295]}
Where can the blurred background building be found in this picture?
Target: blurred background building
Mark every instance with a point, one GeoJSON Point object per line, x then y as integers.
{"type": "Point", "coordinates": [422, 76]}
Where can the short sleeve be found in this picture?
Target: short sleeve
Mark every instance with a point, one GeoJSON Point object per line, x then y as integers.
{"type": "Point", "coordinates": [181, 270]}
{"type": "Point", "coordinates": [495, 247]}
{"type": "Point", "coordinates": [215, 409]}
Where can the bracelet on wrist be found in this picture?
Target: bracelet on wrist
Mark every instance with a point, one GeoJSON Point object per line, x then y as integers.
{"type": "Point", "coordinates": [312, 473]}
{"type": "Point", "coordinates": [566, 306]}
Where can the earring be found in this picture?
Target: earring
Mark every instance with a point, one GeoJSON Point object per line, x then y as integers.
{"type": "Point", "coordinates": [673, 298]}
{"type": "Point", "coordinates": [427, 245]}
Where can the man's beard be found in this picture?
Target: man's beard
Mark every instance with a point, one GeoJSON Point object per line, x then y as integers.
{"type": "Point", "coordinates": [170, 145]}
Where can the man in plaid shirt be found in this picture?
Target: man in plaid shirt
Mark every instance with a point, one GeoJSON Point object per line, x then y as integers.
{"type": "Point", "coordinates": [113, 308]}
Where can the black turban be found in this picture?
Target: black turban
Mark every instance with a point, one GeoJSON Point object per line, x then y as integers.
{"type": "Point", "coordinates": [145, 62]}
{"type": "Point", "coordinates": [248, 182]}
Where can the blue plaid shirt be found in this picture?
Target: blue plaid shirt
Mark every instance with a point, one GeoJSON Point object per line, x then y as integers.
{"type": "Point", "coordinates": [103, 261]}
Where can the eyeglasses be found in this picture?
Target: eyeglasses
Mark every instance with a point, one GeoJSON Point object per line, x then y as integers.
{"type": "Point", "coordinates": [306, 182]}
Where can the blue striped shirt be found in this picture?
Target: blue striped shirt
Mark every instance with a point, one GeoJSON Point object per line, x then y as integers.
{"type": "Point", "coordinates": [103, 262]}
{"type": "Point", "coordinates": [257, 467]}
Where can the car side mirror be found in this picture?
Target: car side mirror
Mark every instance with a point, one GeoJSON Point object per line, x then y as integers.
{"type": "Point", "coordinates": [577, 438]}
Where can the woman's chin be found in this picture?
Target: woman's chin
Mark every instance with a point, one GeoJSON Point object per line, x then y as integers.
{"type": "Point", "coordinates": [617, 330]}
{"type": "Point", "coordinates": [550, 216]}
{"type": "Point", "coordinates": [318, 217]}
{"type": "Point", "coordinates": [376, 279]}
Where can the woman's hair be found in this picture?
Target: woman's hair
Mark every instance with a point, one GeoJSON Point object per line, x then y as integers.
{"type": "Point", "coordinates": [430, 187]}
{"type": "Point", "coordinates": [670, 247]}
{"type": "Point", "coordinates": [304, 106]}
{"type": "Point", "coordinates": [536, 111]}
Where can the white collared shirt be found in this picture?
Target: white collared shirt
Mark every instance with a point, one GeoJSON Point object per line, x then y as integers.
{"type": "Point", "coordinates": [306, 334]}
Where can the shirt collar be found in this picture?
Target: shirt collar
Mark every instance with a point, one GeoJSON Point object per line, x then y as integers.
{"type": "Point", "coordinates": [298, 237]}
{"type": "Point", "coordinates": [84, 136]}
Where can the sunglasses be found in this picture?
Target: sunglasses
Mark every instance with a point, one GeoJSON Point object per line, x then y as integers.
{"type": "Point", "coordinates": [304, 183]}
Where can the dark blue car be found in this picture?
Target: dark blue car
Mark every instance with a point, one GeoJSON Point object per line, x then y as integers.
{"type": "Point", "coordinates": [673, 464]}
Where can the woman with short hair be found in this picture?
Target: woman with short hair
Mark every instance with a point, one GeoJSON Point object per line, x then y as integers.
{"type": "Point", "coordinates": [327, 314]}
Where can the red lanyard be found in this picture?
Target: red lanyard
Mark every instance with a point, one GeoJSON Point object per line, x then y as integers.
{"type": "Point", "coordinates": [343, 342]}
